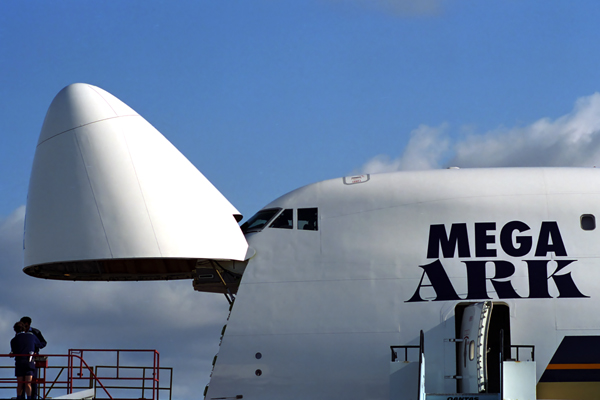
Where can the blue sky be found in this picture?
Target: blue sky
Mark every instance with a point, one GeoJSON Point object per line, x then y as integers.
{"type": "Point", "coordinates": [265, 96]}
{"type": "Point", "coordinates": [292, 92]}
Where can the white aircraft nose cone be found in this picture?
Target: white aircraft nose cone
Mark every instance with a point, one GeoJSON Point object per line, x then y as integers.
{"type": "Point", "coordinates": [81, 104]}
{"type": "Point", "coordinates": [110, 198]}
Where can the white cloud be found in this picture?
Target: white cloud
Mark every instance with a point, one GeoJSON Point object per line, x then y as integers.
{"type": "Point", "coordinates": [423, 151]}
{"type": "Point", "coordinates": [571, 140]}
{"type": "Point", "coordinates": [183, 325]}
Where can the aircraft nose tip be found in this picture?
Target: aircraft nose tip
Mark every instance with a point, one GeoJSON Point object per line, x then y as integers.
{"type": "Point", "coordinates": [80, 104]}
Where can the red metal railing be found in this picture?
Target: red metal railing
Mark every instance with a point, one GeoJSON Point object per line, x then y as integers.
{"type": "Point", "coordinates": [80, 375]}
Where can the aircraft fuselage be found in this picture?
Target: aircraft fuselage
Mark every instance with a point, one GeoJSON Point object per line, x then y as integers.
{"type": "Point", "coordinates": [317, 310]}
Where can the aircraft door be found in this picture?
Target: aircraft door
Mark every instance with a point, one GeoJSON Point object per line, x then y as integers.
{"type": "Point", "coordinates": [472, 352]}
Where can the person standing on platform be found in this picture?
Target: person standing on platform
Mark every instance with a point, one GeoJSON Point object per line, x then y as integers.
{"type": "Point", "coordinates": [27, 322]}
{"type": "Point", "coordinates": [24, 343]}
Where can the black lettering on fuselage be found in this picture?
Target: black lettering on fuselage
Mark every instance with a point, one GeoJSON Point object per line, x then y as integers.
{"type": "Point", "coordinates": [483, 238]}
{"type": "Point", "coordinates": [550, 240]}
{"type": "Point", "coordinates": [514, 241]}
{"type": "Point", "coordinates": [538, 280]}
{"type": "Point", "coordinates": [463, 398]}
{"type": "Point", "coordinates": [458, 238]}
{"type": "Point", "coordinates": [506, 239]}
{"type": "Point", "coordinates": [476, 280]}
{"type": "Point", "coordinates": [439, 281]}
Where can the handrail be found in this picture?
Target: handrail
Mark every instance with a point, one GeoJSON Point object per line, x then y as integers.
{"type": "Point", "coordinates": [56, 379]}
{"type": "Point", "coordinates": [79, 369]}
{"type": "Point", "coordinates": [91, 372]}
{"type": "Point", "coordinates": [70, 378]}
{"type": "Point", "coordinates": [144, 378]}
{"type": "Point", "coordinates": [524, 346]}
{"type": "Point", "coordinates": [395, 353]}
{"type": "Point", "coordinates": [155, 367]}
{"type": "Point", "coordinates": [421, 381]}
{"type": "Point", "coordinates": [501, 366]}
{"type": "Point", "coordinates": [420, 346]}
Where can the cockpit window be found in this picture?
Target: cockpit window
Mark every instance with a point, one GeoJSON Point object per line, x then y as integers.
{"type": "Point", "coordinates": [259, 220]}
{"type": "Point", "coordinates": [308, 219]}
{"type": "Point", "coordinates": [285, 220]}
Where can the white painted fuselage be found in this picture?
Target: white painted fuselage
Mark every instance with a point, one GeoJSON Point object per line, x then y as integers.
{"type": "Point", "coordinates": [317, 310]}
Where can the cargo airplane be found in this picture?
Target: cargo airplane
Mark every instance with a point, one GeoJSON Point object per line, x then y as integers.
{"type": "Point", "coordinates": [444, 284]}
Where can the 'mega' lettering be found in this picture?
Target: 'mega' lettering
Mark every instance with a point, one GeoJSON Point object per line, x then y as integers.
{"type": "Point", "coordinates": [514, 243]}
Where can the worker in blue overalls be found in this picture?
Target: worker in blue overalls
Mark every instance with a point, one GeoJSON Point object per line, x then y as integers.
{"type": "Point", "coordinates": [23, 347]}
{"type": "Point", "coordinates": [42, 343]}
